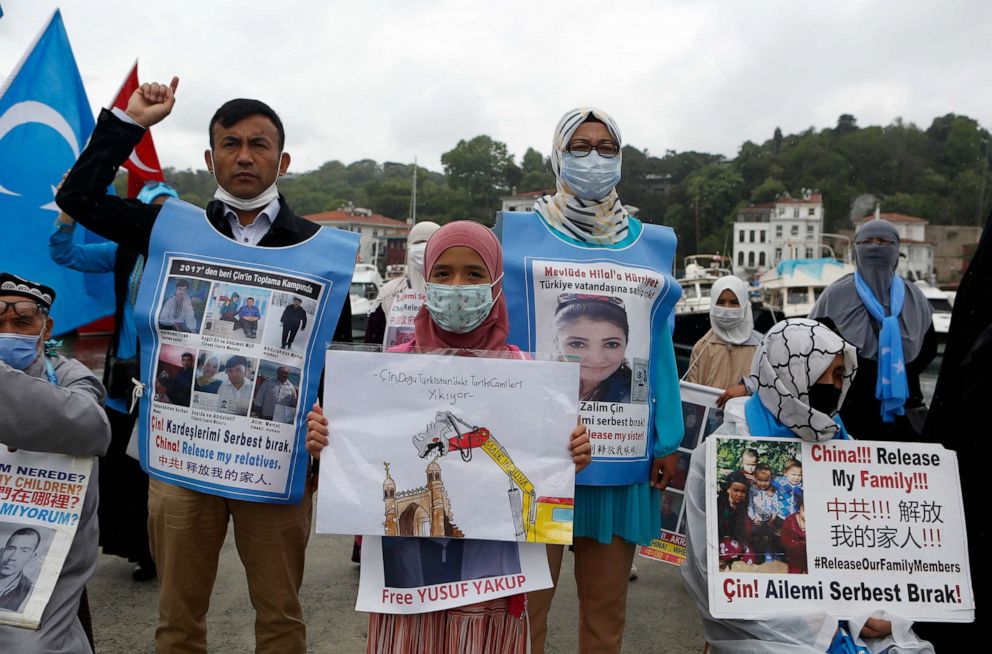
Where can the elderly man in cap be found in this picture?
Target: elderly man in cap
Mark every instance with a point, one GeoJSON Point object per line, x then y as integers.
{"type": "Point", "coordinates": [50, 404]}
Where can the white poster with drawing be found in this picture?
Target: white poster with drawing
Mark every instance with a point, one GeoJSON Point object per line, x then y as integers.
{"type": "Point", "coordinates": [448, 446]}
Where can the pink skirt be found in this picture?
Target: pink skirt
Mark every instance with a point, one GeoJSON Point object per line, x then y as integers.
{"type": "Point", "coordinates": [482, 628]}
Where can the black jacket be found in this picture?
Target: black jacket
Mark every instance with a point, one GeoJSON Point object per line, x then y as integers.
{"type": "Point", "coordinates": [129, 222]}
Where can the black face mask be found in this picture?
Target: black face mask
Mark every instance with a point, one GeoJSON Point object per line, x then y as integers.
{"type": "Point", "coordinates": [824, 398]}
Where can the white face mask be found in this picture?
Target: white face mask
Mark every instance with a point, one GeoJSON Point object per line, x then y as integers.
{"type": "Point", "coordinates": [726, 317]}
{"type": "Point", "coordinates": [416, 257]}
{"type": "Point", "coordinates": [250, 204]}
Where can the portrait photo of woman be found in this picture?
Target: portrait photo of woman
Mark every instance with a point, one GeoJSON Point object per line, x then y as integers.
{"type": "Point", "coordinates": [595, 328]}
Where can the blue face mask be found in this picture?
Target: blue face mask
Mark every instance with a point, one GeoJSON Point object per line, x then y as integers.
{"type": "Point", "coordinates": [460, 309]}
{"type": "Point", "coordinates": [18, 350]}
{"type": "Point", "coordinates": [591, 177]}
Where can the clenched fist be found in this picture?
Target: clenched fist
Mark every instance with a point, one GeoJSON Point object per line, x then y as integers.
{"type": "Point", "coordinates": [151, 102]}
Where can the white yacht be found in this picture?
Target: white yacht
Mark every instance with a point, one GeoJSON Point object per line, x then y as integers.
{"type": "Point", "coordinates": [701, 270]}
{"type": "Point", "coordinates": [794, 285]}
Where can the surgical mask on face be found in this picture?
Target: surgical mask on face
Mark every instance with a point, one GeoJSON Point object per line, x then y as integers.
{"type": "Point", "coordinates": [591, 177]}
{"type": "Point", "coordinates": [726, 317]}
{"type": "Point", "coordinates": [250, 204]}
{"type": "Point", "coordinates": [19, 350]}
{"type": "Point", "coordinates": [416, 257]}
{"type": "Point", "coordinates": [460, 309]}
{"type": "Point", "coordinates": [824, 398]}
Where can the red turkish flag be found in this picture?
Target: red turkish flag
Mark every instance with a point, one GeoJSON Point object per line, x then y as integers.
{"type": "Point", "coordinates": [142, 166]}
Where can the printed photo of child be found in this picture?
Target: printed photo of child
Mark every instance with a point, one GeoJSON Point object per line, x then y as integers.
{"type": "Point", "coordinates": [768, 534]}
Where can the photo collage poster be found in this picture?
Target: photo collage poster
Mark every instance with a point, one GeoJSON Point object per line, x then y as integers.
{"type": "Point", "coordinates": [230, 363]}
{"type": "Point", "coordinates": [700, 418]}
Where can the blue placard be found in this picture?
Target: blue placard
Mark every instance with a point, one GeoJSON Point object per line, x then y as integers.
{"type": "Point", "coordinates": [611, 306]}
{"type": "Point", "coordinates": [232, 346]}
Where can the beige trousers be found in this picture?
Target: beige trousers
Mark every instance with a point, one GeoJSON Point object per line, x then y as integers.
{"type": "Point", "coordinates": [186, 530]}
{"type": "Point", "coordinates": [602, 573]}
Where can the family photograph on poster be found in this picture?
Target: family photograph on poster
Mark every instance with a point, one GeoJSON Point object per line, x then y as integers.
{"type": "Point", "coordinates": [447, 459]}
{"type": "Point", "coordinates": [184, 304]}
{"type": "Point", "coordinates": [762, 522]}
{"type": "Point", "coordinates": [277, 392]}
{"type": "Point", "coordinates": [236, 312]}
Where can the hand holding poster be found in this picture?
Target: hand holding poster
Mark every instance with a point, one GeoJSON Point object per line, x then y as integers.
{"type": "Point", "coordinates": [845, 527]}
{"type": "Point", "coordinates": [41, 496]}
{"type": "Point", "coordinates": [417, 575]}
{"type": "Point", "coordinates": [700, 418]}
{"type": "Point", "coordinates": [457, 446]}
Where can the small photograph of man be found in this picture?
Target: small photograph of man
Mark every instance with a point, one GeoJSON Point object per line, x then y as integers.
{"type": "Point", "coordinates": [295, 315]}
{"type": "Point", "coordinates": [416, 562]}
{"type": "Point", "coordinates": [671, 505]}
{"type": "Point", "coordinates": [234, 395]}
{"type": "Point", "coordinates": [236, 312]}
{"type": "Point", "coordinates": [174, 375]}
{"type": "Point", "coordinates": [277, 392]}
{"type": "Point", "coordinates": [23, 552]}
{"type": "Point", "coordinates": [185, 300]}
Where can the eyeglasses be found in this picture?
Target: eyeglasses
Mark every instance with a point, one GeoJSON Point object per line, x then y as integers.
{"type": "Point", "coordinates": [875, 240]}
{"type": "Point", "coordinates": [607, 149]}
{"type": "Point", "coordinates": [574, 298]}
{"type": "Point", "coordinates": [22, 308]}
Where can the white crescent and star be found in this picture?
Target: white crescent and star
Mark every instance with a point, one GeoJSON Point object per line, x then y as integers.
{"type": "Point", "coordinates": [31, 111]}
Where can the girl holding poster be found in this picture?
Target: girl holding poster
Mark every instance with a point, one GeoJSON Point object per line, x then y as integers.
{"type": "Point", "coordinates": [803, 371]}
{"type": "Point", "coordinates": [584, 277]}
{"type": "Point", "coordinates": [465, 309]}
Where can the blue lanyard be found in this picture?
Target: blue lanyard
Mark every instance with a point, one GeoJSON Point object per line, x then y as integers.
{"type": "Point", "coordinates": [50, 372]}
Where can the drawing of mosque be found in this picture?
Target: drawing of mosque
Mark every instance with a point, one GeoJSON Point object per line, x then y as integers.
{"type": "Point", "coordinates": [424, 511]}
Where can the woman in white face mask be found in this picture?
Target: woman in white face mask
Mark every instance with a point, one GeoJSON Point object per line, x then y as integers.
{"type": "Point", "coordinates": [409, 288]}
{"type": "Point", "coordinates": [722, 357]}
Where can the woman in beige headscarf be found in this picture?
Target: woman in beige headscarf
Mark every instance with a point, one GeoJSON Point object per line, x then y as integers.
{"type": "Point", "coordinates": [722, 357]}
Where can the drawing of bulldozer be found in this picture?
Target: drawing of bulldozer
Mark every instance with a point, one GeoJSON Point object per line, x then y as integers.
{"type": "Point", "coordinates": [536, 519]}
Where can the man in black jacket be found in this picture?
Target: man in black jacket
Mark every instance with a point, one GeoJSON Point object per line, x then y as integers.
{"type": "Point", "coordinates": [294, 318]}
{"type": "Point", "coordinates": [187, 528]}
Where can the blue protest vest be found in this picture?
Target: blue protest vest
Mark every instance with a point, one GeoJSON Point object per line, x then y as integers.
{"type": "Point", "coordinates": [225, 394]}
{"type": "Point", "coordinates": [611, 306]}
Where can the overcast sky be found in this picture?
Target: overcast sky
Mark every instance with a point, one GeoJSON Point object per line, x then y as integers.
{"type": "Point", "coordinates": [388, 80]}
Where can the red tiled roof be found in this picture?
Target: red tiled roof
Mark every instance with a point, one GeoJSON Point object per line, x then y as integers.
{"type": "Point", "coordinates": [816, 198]}
{"type": "Point", "coordinates": [345, 217]}
{"type": "Point", "coordinates": [893, 218]}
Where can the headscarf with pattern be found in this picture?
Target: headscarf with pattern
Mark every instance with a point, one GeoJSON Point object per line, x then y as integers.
{"type": "Point", "coordinates": [792, 356]}
{"type": "Point", "coordinates": [601, 222]}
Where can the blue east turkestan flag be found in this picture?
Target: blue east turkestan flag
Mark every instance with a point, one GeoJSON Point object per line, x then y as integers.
{"type": "Point", "coordinates": [45, 120]}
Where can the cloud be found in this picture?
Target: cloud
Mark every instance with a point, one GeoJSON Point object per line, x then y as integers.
{"type": "Point", "coordinates": [389, 80]}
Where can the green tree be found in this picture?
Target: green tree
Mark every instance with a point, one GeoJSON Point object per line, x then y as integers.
{"type": "Point", "coordinates": [485, 170]}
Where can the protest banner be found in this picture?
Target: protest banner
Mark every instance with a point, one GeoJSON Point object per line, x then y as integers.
{"type": "Point", "coordinates": [846, 527]}
{"type": "Point", "coordinates": [610, 307]}
{"type": "Point", "coordinates": [41, 496]}
{"type": "Point", "coordinates": [418, 575]}
{"type": "Point", "coordinates": [232, 340]}
{"type": "Point", "coordinates": [399, 320]}
{"type": "Point", "coordinates": [456, 446]}
{"type": "Point", "coordinates": [700, 418]}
